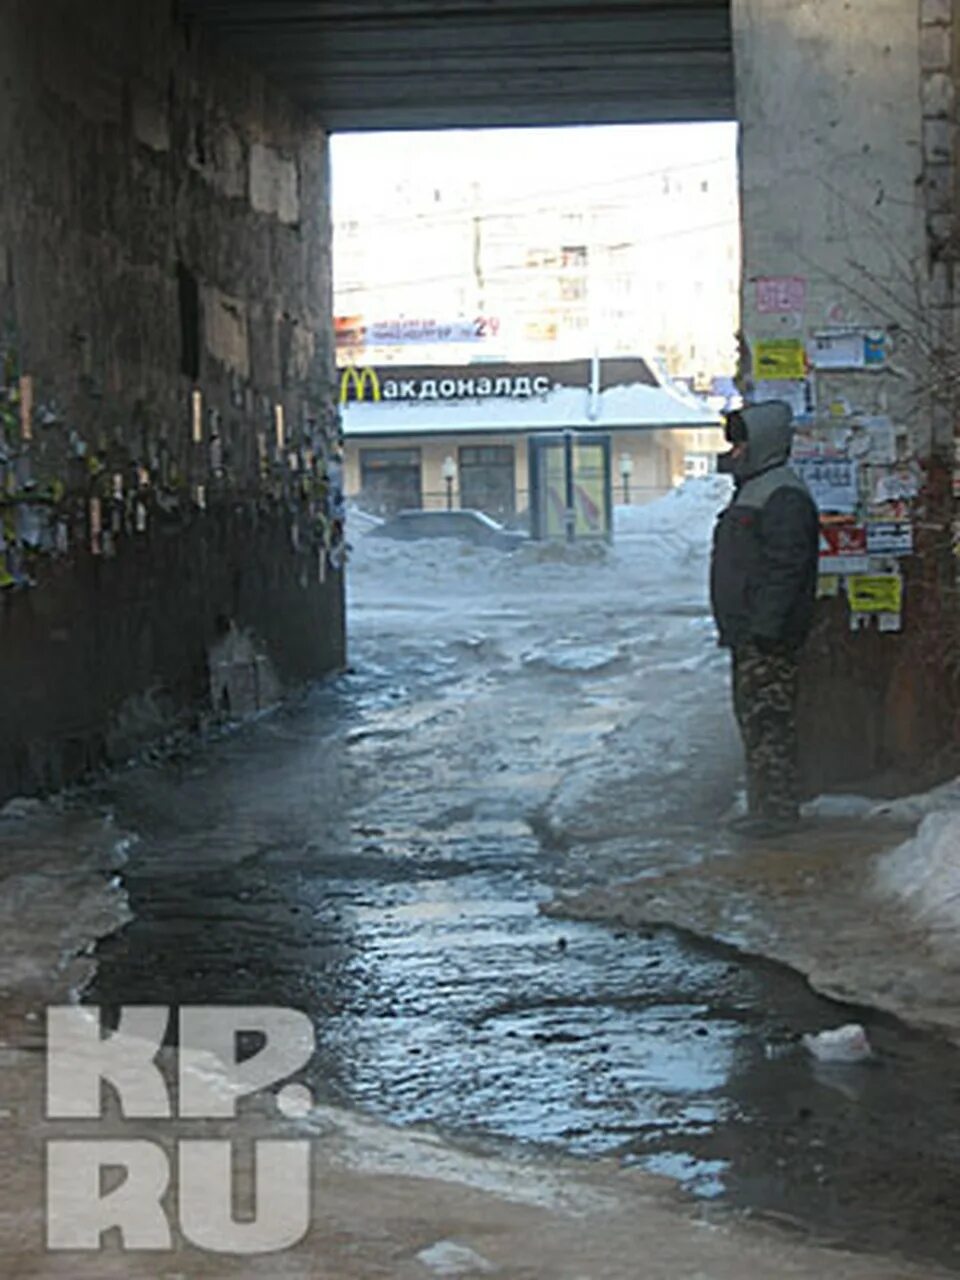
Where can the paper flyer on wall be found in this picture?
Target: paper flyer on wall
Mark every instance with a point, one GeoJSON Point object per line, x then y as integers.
{"type": "Point", "coordinates": [834, 483]}
{"type": "Point", "coordinates": [837, 349]}
{"type": "Point", "coordinates": [876, 593]}
{"type": "Point", "coordinates": [796, 392]}
{"type": "Point", "coordinates": [779, 360]}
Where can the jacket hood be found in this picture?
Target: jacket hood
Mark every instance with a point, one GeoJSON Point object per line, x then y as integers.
{"type": "Point", "coordinates": [769, 428]}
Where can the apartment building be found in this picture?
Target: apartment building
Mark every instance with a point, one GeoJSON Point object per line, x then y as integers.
{"type": "Point", "coordinates": [645, 265]}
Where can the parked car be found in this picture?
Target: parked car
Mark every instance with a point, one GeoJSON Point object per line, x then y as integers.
{"type": "Point", "coordinates": [470, 526]}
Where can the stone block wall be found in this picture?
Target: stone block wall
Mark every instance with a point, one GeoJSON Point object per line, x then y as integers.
{"type": "Point", "coordinates": [169, 449]}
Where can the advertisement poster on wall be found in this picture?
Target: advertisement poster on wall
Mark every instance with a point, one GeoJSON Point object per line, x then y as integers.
{"type": "Point", "coordinates": [834, 483]}
{"type": "Point", "coordinates": [779, 360]}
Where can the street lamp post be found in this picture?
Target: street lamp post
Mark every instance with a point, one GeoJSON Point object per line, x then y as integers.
{"type": "Point", "coordinates": [626, 471]}
{"type": "Point", "coordinates": [449, 475]}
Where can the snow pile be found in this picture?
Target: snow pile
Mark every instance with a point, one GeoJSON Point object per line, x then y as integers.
{"type": "Point", "coordinates": [659, 554]}
{"type": "Point", "coordinates": [360, 521]}
{"type": "Point", "coordinates": [635, 405]}
{"type": "Point", "coordinates": [423, 558]}
{"type": "Point", "coordinates": [922, 877]}
{"type": "Point", "coordinates": [676, 530]}
{"type": "Point", "coordinates": [916, 808]}
{"type": "Point", "coordinates": [848, 1043]}
{"type": "Point", "coordinates": [689, 510]}
{"type": "Point", "coordinates": [903, 811]}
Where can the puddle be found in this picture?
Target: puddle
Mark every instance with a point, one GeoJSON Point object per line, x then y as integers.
{"type": "Point", "coordinates": [283, 868]}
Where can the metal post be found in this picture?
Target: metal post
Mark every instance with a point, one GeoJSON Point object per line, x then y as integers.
{"type": "Point", "coordinates": [570, 518]}
{"type": "Point", "coordinates": [593, 408]}
{"type": "Point", "coordinates": [626, 471]}
{"type": "Point", "coordinates": [449, 472]}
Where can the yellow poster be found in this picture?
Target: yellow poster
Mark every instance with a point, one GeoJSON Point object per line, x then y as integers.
{"type": "Point", "coordinates": [878, 593]}
{"type": "Point", "coordinates": [779, 359]}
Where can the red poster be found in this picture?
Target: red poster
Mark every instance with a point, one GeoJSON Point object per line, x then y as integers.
{"type": "Point", "coordinates": [842, 540]}
{"type": "Point", "coordinates": [781, 295]}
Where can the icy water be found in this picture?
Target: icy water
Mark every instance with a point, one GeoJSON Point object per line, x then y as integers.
{"type": "Point", "coordinates": [377, 857]}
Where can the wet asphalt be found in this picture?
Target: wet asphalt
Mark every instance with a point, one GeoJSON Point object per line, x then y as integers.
{"type": "Point", "coordinates": [313, 859]}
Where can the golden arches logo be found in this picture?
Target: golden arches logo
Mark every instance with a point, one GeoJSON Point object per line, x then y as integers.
{"type": "Point", "coordinates": [361, 380]}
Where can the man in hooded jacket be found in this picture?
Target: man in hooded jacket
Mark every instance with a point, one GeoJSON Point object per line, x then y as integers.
{"type": "Point", "coordinates": [763, 588]}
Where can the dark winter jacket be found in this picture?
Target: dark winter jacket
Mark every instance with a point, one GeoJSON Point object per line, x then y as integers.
{"type": "Point", "coordinates": [763, 577]}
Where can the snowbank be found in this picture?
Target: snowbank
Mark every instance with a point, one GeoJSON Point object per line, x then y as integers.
{"type": "Point", "coordinates": [361, 521]}
{"type": "Point", "coordinates": [690, 510]}
{"type": "Point", "coordinates": [904, 811]}
{"type": "Point", "coordinates": [672, 535]}
{"type": "Point", "coordinates": [919, 880]}
{"type": "Point", "coordinates": [657, 566]}
{"type": "Point", "coordinates": [634, 406]}
{"type": "Point", "coordinates": [667, 540]}
{"type": "Point", "coordinates": [922, 878]}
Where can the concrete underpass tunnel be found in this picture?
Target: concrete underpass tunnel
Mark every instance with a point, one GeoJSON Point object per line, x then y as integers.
{"type": "Point", "coordinates": [169, 355]}
{"type": "Point", "coordinates": [847, 161]}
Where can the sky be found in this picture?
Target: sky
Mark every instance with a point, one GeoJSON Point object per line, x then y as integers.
{"type": "Point", "coordinates": [385, 183]}
{"type": "Point", "coordinates": [516, 162]}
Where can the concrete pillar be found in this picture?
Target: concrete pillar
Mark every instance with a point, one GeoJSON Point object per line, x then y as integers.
{"type": "Point", "coordinates": [848, 120]}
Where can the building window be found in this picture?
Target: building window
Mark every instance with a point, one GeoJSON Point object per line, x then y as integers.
{"type": "Point", "coordinates": [481, 455]}
{"type": "Point", "coordinates": [695, 465]}
{"type": "Point", "coordinates": [541, 258]}
{"type": "Point", "coordinates": [573, 290]}
{"type": "Point", "coordinates": [573, 255]}
{"type": "Point", "coordinates": [488, 479]}
{"type": "Point", "coordinates": [390, 480]}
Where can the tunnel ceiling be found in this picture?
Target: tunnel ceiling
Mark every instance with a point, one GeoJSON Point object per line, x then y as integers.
{"type": "Point", "coordinates": [424, 64]}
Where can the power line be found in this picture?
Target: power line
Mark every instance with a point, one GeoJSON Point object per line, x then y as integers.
{"type": "Point", "coordinates": [467, 276]}
{"type": "Point", "coordinates": [493, 207]}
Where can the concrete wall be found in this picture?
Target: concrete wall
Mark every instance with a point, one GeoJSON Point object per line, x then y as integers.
{"type": "Point", "coordinates": [164, 231]}
{"type": "Point", "coordinates": [847, 135]}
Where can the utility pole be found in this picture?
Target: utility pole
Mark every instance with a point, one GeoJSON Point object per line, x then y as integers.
{"type": "Point", "coordinates": [478, 263]}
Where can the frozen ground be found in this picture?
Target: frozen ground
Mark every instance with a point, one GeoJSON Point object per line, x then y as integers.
{"type": "Point", "coordinates": [865, 915]}
{"type": "Point", "coordinates": [617, 639]}
{"type": "Point", "coordinates": [550, 730]}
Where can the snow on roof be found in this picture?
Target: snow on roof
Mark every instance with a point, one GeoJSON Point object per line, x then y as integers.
{"type": "Point", "coordinates": [634, 405]}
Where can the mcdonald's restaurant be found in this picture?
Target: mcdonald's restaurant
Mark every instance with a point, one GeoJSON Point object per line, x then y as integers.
{"type": "Point", "coordinates": [434, 436]}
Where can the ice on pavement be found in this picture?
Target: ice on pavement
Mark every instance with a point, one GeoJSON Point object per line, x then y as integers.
{"type": "Point", "coordinates": [447, 1258]}
{"type": "Point", "coordinates": [627, 630]}
{"type": "Point", "coordinates": [635, 613]}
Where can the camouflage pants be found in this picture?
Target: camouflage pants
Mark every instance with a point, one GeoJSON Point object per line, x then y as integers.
{"type": "Point", "coordinates": [765, 702]}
